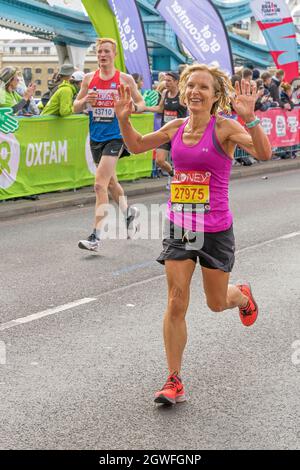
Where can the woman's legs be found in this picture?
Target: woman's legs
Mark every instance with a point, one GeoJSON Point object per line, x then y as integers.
{"type": "Point", "coordinates": [220, 295]}
{"type": "Point", "coordinates": [179, 275]}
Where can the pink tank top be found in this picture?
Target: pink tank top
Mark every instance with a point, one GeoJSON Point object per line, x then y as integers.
{"type": "Point", "coordinates": [206, 162]}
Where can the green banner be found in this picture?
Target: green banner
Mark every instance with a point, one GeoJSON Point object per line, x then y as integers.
{"type": "Point", "coordinates": [105, 25]}
{"type": "Point", "coordinates": [50, 154]}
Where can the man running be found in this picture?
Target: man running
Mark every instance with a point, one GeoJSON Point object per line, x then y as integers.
{"type": "Point", "coordinates": [170, 108]}
{"type": "Point", "coordinates": [96, 95]}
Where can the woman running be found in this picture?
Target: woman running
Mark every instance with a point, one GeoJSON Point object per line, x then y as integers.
{"type": "Point", "coordinates": [199, 222]}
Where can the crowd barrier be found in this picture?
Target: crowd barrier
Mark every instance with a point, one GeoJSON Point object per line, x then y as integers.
{"type": "Point", "coordinates": [283, 130]}
{"type": "Point", "coordinates": [50, 154]}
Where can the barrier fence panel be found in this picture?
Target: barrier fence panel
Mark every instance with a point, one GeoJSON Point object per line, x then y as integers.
{"type": "Point", "coordinates": [282, 128]}
{"type": "Point", "coordinates": [50, 154]}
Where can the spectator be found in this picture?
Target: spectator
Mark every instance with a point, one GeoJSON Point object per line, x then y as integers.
{"type": "Point", "coordinates": [9, 97]}
{"type": "Point", "coordinates": [262, 103]}
{"type": "Point", "coordinates": [238, 71]}
{"type": "Point", "coordinates": [32, 108]}
{"type": "Point", "coordinates": [61, 103]}
{"type": "Point", "coordinates": [236, 78]}
{"type": "Point", "coordinates": [267, 80]}
{"type": "Point", "coordinates": [286, 96]}
{"type": "Point", "coordinates": [255, 74]}
{"type": "Point", "coordinates": [296, 91]}
{"type": "Point", "coordinates": [76, 80]}
{"type": "Point", "coordinates": [275, 88]}
{"type": "Point", "coordinates": [247, 75]}
{"type": "Point", "coordinates": [138, 80]}
{"type": "Point", "coordinates": [53, 85]}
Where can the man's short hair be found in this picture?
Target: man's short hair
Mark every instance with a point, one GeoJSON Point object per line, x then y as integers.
{"type": "Point", "coordinates": [265, 76]}
{"type": "Point", "coordinates": [173, 75]}
{"type": "Point", "coordinates": [247, 73]}
{"type": "Point", "coordinates": [103, 40]}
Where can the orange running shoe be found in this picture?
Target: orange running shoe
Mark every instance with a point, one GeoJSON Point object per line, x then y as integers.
{"type": "Point", "coordinates": [172, 392]}
{"type": "Point", "coordinates": [248, 314]}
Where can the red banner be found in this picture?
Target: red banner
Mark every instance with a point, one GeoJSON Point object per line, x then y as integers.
{"type": "Point", "coordinates": [282, 127]}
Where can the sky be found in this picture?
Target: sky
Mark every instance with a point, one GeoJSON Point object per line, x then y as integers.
{"type": "Point", "coordinates": [10, 34]}
{"type": "Point", "coordinates": [75, 5]}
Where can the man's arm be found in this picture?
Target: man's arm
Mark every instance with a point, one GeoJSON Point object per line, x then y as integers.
{"type": "Point", "coordinates": [135, 94]}
{"type": "Point", "coordinates": [82, 98]}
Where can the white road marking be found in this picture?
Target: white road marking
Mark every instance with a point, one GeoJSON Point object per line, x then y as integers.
{"type": "Point", "coordinates": [45, 313]}
{"type": "Point", "coordinates": [257, 245]}
{"type": "Point", "coordinates": [62, 308]}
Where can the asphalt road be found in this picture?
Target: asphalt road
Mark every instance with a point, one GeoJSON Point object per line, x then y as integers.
{"type": "Point", "coordinates": [79, 370]}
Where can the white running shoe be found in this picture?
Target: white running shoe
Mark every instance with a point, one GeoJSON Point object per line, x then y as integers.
{"type": "Point", "coordinates": [130, 222]}
{"type": "Point", "coordinates": [92, 243]}
{"type": "Point", "coordinates": [168, 186]}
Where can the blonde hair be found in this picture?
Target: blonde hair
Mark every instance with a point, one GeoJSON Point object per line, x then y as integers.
{"type": "Point", "coordinates": [100, 41]}
{"type": "Point", "coordinates": [222, 86]}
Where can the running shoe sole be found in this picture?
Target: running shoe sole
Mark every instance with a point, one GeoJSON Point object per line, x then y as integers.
{"type": "Point", "coordinates": [244, 317]}
{"type": "Point", "coordinates": [168, 401]}
{"type": "Point", "coordinates": [84, 247]}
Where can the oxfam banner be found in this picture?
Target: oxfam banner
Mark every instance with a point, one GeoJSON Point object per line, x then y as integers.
{"type": "Point", "coordinates": [50, 154]}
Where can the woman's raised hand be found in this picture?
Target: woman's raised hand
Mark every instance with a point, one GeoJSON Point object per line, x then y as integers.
{"type": "Point", "coordinates": [123, 104]}
{"type": "Point", "coordinates": [244, 101]}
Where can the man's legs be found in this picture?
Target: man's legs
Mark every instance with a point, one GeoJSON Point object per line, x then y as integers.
{"type": "Point", "coordinates": [161, 160]}
{"type": "Point", "coordinates": [104, 173]}
{"type": "Point", "coordinates": [117, 193]}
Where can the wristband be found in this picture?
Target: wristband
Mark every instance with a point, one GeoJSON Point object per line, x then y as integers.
{"type": "Point", "coordinates": [253, 123]}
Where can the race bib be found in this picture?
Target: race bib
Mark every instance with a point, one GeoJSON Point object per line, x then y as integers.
{"type": "Point", "coordinates": [104, 110]}
{"type": "Point", "coordinates": [169, 116]}
{"type": "Point", "coordinates": [103, 114]}
{"type": "Point", "coordinates": [190, 191]}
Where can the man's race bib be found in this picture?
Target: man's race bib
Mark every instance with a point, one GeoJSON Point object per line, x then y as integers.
{"type": "Point", "coordinates": [169, 116]}
{"type": "Point", "coordinates": [104, 110]}
{"type": "Point", "coordinates": [190, 191]}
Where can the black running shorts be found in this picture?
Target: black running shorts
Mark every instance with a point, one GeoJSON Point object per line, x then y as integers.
{"type": "Point", "coordinates": [217, 251]}
{"type": "Point", "coordinates": [112, 148]}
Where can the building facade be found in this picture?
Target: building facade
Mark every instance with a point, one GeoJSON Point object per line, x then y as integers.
{"type": "Point", "coordinates": [37, 60]}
